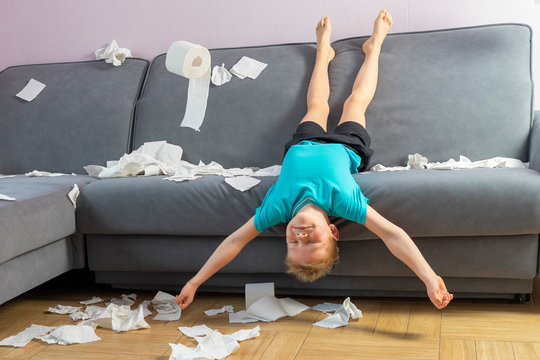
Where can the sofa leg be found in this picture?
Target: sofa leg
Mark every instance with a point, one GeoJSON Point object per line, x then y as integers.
{"type": "Point", "coordinates": [522, 298]}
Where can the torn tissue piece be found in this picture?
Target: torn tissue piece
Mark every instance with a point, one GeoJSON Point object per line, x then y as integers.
{"type": "Point", "coordinates": [7, 198]}
{"type": "Point", "coordinates": [6, 176]}
{"type": "Point", "coordinates": [211, 343]}
{"type": "Point", "coordinates": [25, 336]}
{"type": "Point", "coordinates": [63, 309]}
{"type": "Point", "coordinates": [341, 316]}
{"type": "Point", "coordinates": [89, 312]}
{"type": "Point", "coordinates": [214, 312]}
{"type": "Point", "coordinates": [120, 318]}
{"type": "Point", "coordinates": [71, 334]}
{"type": "Point", "coordinates": [113, 53]}
{"type": "Point", "coordinates": [273, 170]}
{"type": "Point", "coordinates": [242, 183]}
{"type": "Point", "coordinates": [248, 67]}
{"type": "Point", "coordinates": [262, 305]}
{"type": "Point", "coordinates": [93, 300]}
{"type": "Point", "coordinates": [74, 194]}
{"type": "Point", "coordinates": [418, 161]}
{"type": "Point", "coordinates": [220, 75]}
{"type": "Point", "coordinates": [32, 89]}
{"type": "Point", "coordinates": [37, 173]}
{"type": "Point", "coordinates": [327, 307]}
{"type": "Point", "coordinates": [144, 305]}
{"type": "Point", "coordinates": [165, 305]}
{"type": "Point", "coordinates": [124, 300]}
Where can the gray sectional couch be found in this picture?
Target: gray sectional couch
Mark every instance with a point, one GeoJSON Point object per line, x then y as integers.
{"type": "Point", "coordinates": [443, 93]}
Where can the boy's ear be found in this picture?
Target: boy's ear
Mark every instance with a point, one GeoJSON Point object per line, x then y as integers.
{"type": "Point", "coordinates": [335, 231]}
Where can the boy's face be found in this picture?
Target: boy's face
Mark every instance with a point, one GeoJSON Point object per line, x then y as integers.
{"type": "Point", "coordinates": [309, 237]}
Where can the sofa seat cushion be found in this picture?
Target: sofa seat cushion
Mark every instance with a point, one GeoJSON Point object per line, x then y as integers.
{"type": "Point", "coordinates": [425, 203]}
{"type": "Point", "coordinates": [41, 214]}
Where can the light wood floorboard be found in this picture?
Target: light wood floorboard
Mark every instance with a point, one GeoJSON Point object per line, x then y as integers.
{"type": "Point", "coordinates": [389, 329]}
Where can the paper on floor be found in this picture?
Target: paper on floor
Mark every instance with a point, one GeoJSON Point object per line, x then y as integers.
{"type": "Point", "coordinates": [165, 305]}
{"type": "Point", "coordinates": [120, 318]}
{"type": "Point", "coordinates": [25, 336]}
{"type": "Point", "coordinates": [71, 334]}
{"type": "Point", "coordinates": [93, 300]}
{"type": "Point", "coordinates": [220, 75]}
{"type": "Point", "coordinates": [211, 343]}
{"type": "Point", "coordinates": [341, 315]}
{"type": "Point", "coordinates": [113, 53]}
{"type": "Point", "coordinates": [262, 305]}
{"type": "Point", "coordinates": [214, 312]}
{"type": "Point", "coordinates": [89, 312]}
{"type": "Point", "coordinates": [248, 67]}
{"type": "Point", "coordinates": [125, 300]}
{"type": "Point", "coordinates": [418, 161]}
{"type": "Point", "coordinates": [32, 89]}
{"type": "Point", "coordinates": [64, 309]}
{"type": "Point", "coordinates": [7, 198]}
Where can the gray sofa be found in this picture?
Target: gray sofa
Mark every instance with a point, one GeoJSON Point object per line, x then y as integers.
{"type": "Point", "coordinates": [443, 93]}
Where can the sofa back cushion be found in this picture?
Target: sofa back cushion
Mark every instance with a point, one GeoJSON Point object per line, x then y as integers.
{"type": "Point", "coordinates": [247, 122]}
{"type": "Point", "coordinates": [82, 117]}
{"type": "Point", "coordinates": [444, 93]}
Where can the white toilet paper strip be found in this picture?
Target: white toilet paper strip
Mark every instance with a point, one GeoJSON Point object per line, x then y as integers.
{"type": "Point", "coordinates": [7, 198]}
{"type": "Point", "coordinates": [25, 336]}
{"type": "Point", "coordinates": [31, 90]}
{"type": "Point", "coordinates": [191, 61]}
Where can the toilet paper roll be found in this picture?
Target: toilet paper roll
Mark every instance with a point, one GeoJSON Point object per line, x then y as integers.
{"type": "Point", "coordinates": [191, 61]}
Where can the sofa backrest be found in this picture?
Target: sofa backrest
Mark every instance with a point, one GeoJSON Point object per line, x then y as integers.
{"type": "Point", "coordinates": [445, 93]}
{"type": "Point", "coordinates": [247, 122]}
{"type": "Point", "coordinates": [82, 117]}
{"type": "Point", "coordinates": [441, 93]}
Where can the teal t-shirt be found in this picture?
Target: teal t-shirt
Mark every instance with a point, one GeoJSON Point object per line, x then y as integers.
{"type": "Point", "coordinates": [317, 173]}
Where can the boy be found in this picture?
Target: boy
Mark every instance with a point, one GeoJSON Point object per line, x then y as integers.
{"type": "Point", "coordinates": [316, 182]}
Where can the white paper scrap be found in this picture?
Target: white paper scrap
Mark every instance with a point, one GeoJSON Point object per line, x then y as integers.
{"type": "Point", "coordinates": [242, 317]}
{"type": "Point", "coordinates": [31, 90]}
{"type": "Point", "coordinates": [214, 312]}
{"type": "Point", "coordinates": [341, 316]}
{"type": "Point", "coordinates": [37, 173]}
{"type": "Point", "coordinates": [71, 334]}
{"type": "Point", "coordinates": [93, 300]}
{"type": "Point", "coordinates": [74, 194]}
{"type": "Point", "coordinates": [220, 75]}
{"type": "Point", "coordinates": [124, 300]}
{"type": "Point", "coordinates": [63, 309]}
{"type": "Point", "coordinates": [254, 292]}
{"type": "Point", "coordinates": [248, 67]}
{"type": "Point", "coordinates": [211, 343]}
{"type": "Point", "coordinates": [6, 176]}
{"type": "Point", "coordinates": [165, 305]}
{"type": "Point", "coordinates": [273, 170]}
{"type": "Point", "coordinates": [113, 53]}
{"type": "Point", "coordinates": [418, 161]}
{"type": "Point", "coordinates": [327, 307]}
{"type": "Point", "coordinates": [25, 336]}
{"type": "Point", "coordinates": [242, 183]}
{"type": "Point", "coordinates": [121, 318]}
{"type": "Point", "coordinates": [7, 198]}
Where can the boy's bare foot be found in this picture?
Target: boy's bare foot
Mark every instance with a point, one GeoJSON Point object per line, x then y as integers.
{"type": "Point", "coordinates": [382, 25]}
{"type": "Point", "coordinates": [323, 31]}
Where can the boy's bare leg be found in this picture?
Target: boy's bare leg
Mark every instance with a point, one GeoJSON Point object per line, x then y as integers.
{"type": "Point", "coordinates": [365, 83]}
{"type": "Point", "coordinates": [319, 86]}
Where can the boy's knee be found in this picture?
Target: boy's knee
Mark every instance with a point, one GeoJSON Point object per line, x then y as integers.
{"type": "Point", "coordinates": [358, 99]}
{"type": "Point", "coordinates": [319, 106]}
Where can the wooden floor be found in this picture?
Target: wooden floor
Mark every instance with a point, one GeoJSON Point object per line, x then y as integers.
{"type": "Point", "coordinates": [405, 329]}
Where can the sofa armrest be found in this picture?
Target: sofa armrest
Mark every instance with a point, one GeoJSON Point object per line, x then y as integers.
{"type": "Point", "coordinates": [534, 147]}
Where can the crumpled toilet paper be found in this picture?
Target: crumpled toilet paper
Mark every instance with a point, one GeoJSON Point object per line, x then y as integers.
{"type": "Point", "coordinates": [211, 343]}
{"type": "Point", "coordinates": [70, 334]}
{"type": "Point", "coordinates": [7, 198]}
{"type": "Point", "coordinates": [161, 158]}
{"type": "Point", "coordinates": [341, 315]}
{"type": "Point", "coordinates": [113, 53]}
{"type": "Point", "coordinates": [418, 161]}
{"type": "Point", "coordinates": [25, 336]}
{"type": "Point", "coordinates": [166, 306]}
{"type": "Point", "coordinates": [220, 75]}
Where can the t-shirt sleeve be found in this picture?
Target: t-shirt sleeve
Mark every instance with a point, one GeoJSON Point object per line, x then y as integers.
{"type": "Point", "coordinates": [353, 207]}
{"type": "Point", "coordinates": [267, 215]}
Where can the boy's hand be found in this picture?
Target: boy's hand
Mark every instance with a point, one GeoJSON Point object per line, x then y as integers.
{"type": "Point", "coordinates": [439, 296]}
{"type": "Point", "coordinates": [186, 295]}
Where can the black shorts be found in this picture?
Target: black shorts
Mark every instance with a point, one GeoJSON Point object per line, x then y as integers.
{"type": "Point", "coordinates": [351, 134]}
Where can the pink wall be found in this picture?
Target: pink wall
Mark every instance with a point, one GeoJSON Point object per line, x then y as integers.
{"type": "Point", "coordinates": [38, 31]}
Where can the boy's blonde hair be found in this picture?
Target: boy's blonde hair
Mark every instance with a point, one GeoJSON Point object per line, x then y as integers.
{"type": "Point", "coordinates": [312, 272]}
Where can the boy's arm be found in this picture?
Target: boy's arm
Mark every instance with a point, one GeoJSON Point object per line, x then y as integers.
{"type": "Point", "coordinates": [225, 252]}
{"type": "Point", "coordinates": [402, 246]}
